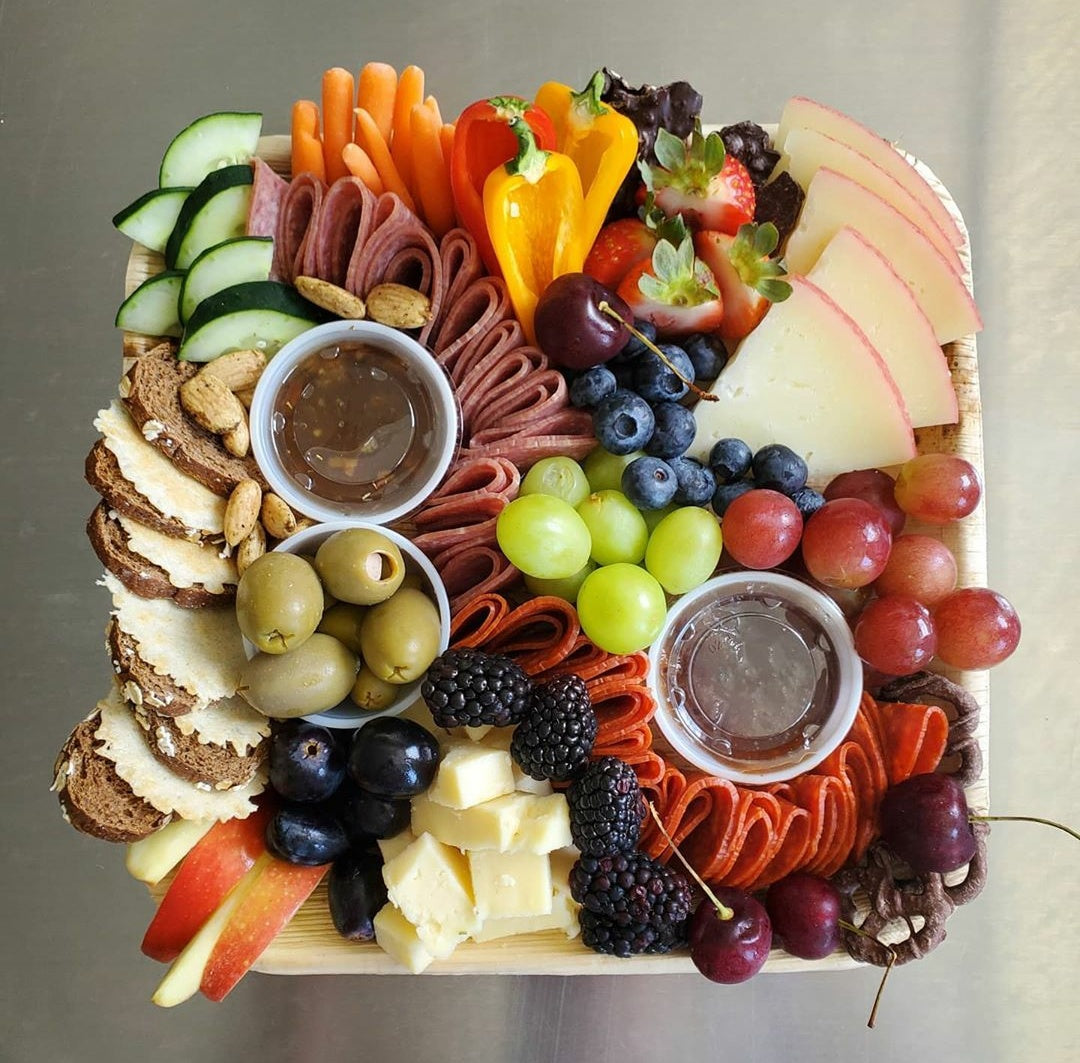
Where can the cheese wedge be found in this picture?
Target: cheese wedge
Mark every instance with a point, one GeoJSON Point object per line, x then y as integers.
{"type": "Point", "coordinates": [834, 201]}
{"type": "Point", "coordinates": [859, 280]}
{"type": "Point", "coordinates": [808, 378]}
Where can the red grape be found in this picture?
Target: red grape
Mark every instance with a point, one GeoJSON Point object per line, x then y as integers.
{"type": "Point", "coordinates": [938, 488]}
{"type": "Point", "coordinates": [895, 635]}
{"type": "Point", "coordinates": [846, 543]}
{"type": "Point", "coordinates": [761, 528]}
{"type": "Point", "coordinates": [977, 628]}
{"type": "Point", "coordinates": [873, 486]}
{"type": "Point", "coordinates": [919, 566]}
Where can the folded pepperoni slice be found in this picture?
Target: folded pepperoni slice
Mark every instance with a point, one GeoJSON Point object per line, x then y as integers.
{"type": "Point", "coordinates": [473, 570]}
{"type": "Point", "coordinates": [758, 842]}
{"type": "Point", "coordinates": [620, 708]}
{"type": "Point", "coordinates": [913, 738]}
{"type": "Point", "coordinates": [537, 633]}
{"type": "Point", "coordinates": [713, 845]}
{"type": "Point", "coordinates": [473, 624]}
{"type": "Point", "coordinates": [791, 844]}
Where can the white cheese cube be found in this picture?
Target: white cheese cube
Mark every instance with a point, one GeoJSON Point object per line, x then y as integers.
{"type": "Point", "coordinates": [476, 734]}
{"type": "Point", "coordinates": [397, 937]}
{"type": "Point", "coordinates": [390, 847]}
{"type": "Point", "coordinates": [545, 825]}
{"type": "Point", "coordinates": [470, 774]}
{"type": "Point", "coordinates": [526, 784]}
{"type": "Point", "coordinates": [491, 825]}
{"type": "Point", "coordinates": [510, 884]}
{"type": "Point", "coordinates": [564, 909]}
{"type": "Point", "coordinates": [499, 738]}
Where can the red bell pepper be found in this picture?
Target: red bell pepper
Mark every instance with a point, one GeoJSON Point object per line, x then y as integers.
{"type": "Point", "coordinates": [483, 141]}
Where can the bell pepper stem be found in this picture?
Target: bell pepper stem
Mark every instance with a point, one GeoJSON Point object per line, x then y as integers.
{"type": "Point", "coordinates": [587, 103]}
{"type": "Point", "coordinates": [530, 162]}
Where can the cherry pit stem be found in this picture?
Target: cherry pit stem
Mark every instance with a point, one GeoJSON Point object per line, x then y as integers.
{"type": "Point", "coordinates": [722, 910]}
{"type": "Point", "coordinates": [1024, 819]}
{"type": "Point", "coordinates": [606, 308]}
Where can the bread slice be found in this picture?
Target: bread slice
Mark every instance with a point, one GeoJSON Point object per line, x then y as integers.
{"type": "Point", "coordinates": [93, 797]}
{"type": "Point", "coordinates": [153, 400]}
{"type": "Point", "coordinates": [141, 684]}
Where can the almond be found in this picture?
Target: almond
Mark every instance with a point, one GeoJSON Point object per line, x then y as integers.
{"type": "Point", "coordinates": [237, 370]}
{"type": "Point", "coordinates": [211, 404]}
{"type": "Point", "coordinates": [277, 518]}
{"type": "Point", "coordinates": [246, 397]}
{"type": "Point", "coordinates": [338, 301]}
{"type": "Point", "coordinates": [251, 548]}
{"type": "Point", "coordinates": [242, 511]}
{"type": "Point", "coordinates": [398, 306]}
{"type": "Point", "coordinates": [302, 524]}
{"type": "Point", "coordinates": [238, 440]}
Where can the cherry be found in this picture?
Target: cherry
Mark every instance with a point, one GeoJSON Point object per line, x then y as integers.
{"type": "Point", "coordinates": [805, 914]}
{"type": "Point", "coordinates": [570, 327]}
{"type": "Point", "coordinates": [730, 936]}
{"type": "Point", "coordinates": [925, 820]}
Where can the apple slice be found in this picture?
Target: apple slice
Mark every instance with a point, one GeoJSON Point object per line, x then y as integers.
{"type": "Point", "coordinates": [859, 280]}
{"type": "Point", "coordinates": [208, 873]}
{"type": "Point", "coordinates": [808, 378]}
{"type": "Point", "coordinates": [834, 201]}
{"type": "Point", "coordinates": [808, 151]}
{"type": "Point", "coordinates": [801, 113]}
{"type": "Point", "coordinates": [150, 859]}
{"type": "Point", "coordinates": [266, 906]}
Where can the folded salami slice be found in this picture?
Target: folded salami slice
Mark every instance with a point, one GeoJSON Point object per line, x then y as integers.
{"type": "Point", "coordinates": [297, 222]}
{"type": "Point", "coordinates": [506, 374]}
{"type": "Point", "coordinates": [461, 266]}
{"type": "Point", "coordinates": [455, 500]}
{"type": "Point", "coordinates": [268, 192]}
{"type": "Point", "coordinates": [344, 225]}
{"type": "Point", "coordinates": [482, 305]}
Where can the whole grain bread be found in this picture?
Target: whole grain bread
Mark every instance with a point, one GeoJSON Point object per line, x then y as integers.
{"type": "Point", "coordinates": [94, 799]}
{"type": "Point", "coordinates": [140, 683]}
{"type": "Point", "coordinates": [152, 397]}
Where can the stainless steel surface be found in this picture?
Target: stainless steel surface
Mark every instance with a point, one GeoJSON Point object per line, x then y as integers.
{"type": "Point", "coordinates": [90, 92]}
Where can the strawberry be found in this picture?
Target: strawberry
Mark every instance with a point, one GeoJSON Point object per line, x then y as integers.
{"type": "Point", "coordinates": [619, 247]}
{"type": "Point", "coordinates": [674, 290]}
{"type": "Point", "coordinates": [709, 188]}
{"type": "Point", "coordinates": [745, 275]}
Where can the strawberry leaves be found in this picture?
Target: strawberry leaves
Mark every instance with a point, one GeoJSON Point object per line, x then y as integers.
{"type": "Point", "coordinates": [749, 254]}
{"type": "Point", "coordinates": [679, 277]}
{"type": "Point", "coordinates": [688, 167]}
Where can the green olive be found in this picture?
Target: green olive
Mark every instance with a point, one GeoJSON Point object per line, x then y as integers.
{"type": "Point", "coordinates": [400, 637]}
{"type": "Point", "coordinates": [414, 578]}
{"type": "Point", "coordinates": [279, 602]}
{"type": "Point", "coordinates": [343, 621]}
{"type": "Point", "coordinates": [312, 678]}
{"type": "Point", "coordinates": [360, 566]}
{"type": "Point", "coordinates": [328, 599]}
{"type": "Point", "coordinates": [371, 694]}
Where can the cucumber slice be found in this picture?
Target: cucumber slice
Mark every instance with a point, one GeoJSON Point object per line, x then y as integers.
{"type": "Point", "coordinates": [260, 314]}
{"type": "Point", "coordinates": [209, 143]}
{"type": "Point", "coordinates": [152, 217]}
{"type": "Point", "coordinates": [216, 211]}
{"type": "Point", "coordinates": [247, 258]}
{"type": "Point", "coordinates": [152, 307]}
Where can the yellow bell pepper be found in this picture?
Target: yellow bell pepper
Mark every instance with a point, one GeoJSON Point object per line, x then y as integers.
{"type": "Point", "coordinates": [535, 213]}
{"type": "Point", "coordinates": [602, 143]}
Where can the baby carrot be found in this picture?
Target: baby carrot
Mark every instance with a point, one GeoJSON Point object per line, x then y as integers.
{"type": "Point", "coordinates": [375, 91]}
{"type": "Point", "coordinates": [371, 140]}
{"type": "Point", "coordinates": [410, 92]}
{"type": "Point", "coordinates": [433, 105]}
{"type": "Point", "coordinates": [430, 172]}
{"type": "Point", "coordinates": [359, 164]}
{"type": "Point", "coordinates": [446, 139]}
{"type": "Point", "coordinates": [337, 100]}
{"type": "Point", "coordinates": [307, 153]}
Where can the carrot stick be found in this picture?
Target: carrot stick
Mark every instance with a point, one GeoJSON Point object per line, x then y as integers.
{"type": "Point", "coordinates": [375, 91]}
{"type": "Point", "coordinates": [307, 153]}
{"type": "Point", "coordinates": [360, 165]}
{"type": "Point", "coordinates": [446, 139]}
{"type": "Point", "coordinates": [371, 140]}
{"type": "Point", "coordinates": [410, 92]}
{"type": "Point", "coordinates": [431, 173]}
{"type": "Point", "coordinates": [337, 100]}
{"type": "Point", "coordinates": [433, 105]}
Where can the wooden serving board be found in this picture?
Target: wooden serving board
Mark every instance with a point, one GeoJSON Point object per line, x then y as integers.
{"type": "Point", "coordinates": [310, 945]}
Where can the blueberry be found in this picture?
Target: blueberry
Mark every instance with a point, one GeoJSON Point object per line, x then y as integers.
{"type": "Point", "coordinates": [674, 432]}
{"type": "Point", "coordinates": [649, 483]}
{"type": "Point", "coordinates": [623, 422]}
{"type": "Point", "coordinates": [655, 382]}
{"type": "Point", "coordinates": [634, 347]}
{"type": "Point", "coordinates": [394, 757]}
{"type": "Point", "coordinates": [779, 468]}
{"type": "Point", "coordinates": [696, 483]}
{"type": "Point", "coordinates": [725, 494]}
{"type": "Point", "coordinates": [808, 501]}
{"type": "Point", "coordinates": [707, 354]}
{"type": "Point", "coordinates": [365, 816]}
{"type": "Point", "coordinates": [356, 892]}
{"type": "Point", "coordinates": [593, 386]}
{"type": "Point", "coordinates": [306, 763]}
{"type": "Point", "coordinates": [730, 460]}
{"type": "Point", "coordinates": [306, 834]}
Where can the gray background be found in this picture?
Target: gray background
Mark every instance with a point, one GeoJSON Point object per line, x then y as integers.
{"type": "Point", "coordinates": [91, 92]}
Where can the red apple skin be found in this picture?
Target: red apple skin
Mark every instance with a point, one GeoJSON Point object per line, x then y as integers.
{"type": "Point", "coordinates": [220, 859]}
{"type": "Point", "coordinates": [275, 897]}
{"type": "Point", "coordinates": [730, 950]}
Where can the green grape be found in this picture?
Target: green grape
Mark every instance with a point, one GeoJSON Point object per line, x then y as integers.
{"type": "Point", "coordinates": [567, 589]}
{"type": "Point", "coordinates": [654, 516]}
{"type": "Point", "coordinates": [560, 477]}
{"type": "Point", "coordinates": [684, 549]}
{"type": "Point", "coordinates": [605, 469]}
{"type": "Point", "coordinates": [543, 536]}
{"type": "Point", "coordinates": [621, 608]}
{"type": "Point", "coordinates": [617, 529]}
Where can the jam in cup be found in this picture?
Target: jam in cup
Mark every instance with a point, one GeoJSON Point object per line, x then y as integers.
{"type": "Point", "coordinates": [353, 419]}
{"type": "Point", "coordinates": [755, 676]}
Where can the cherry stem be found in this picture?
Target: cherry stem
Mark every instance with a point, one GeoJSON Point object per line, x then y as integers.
{"type": "Point", "coordinates": [722, 910]}
{"type": "Point", "coordinates": [885, 974]}
{"type": "Point", "coordinates": [606, 308]}
{"type": "Point", "coordinates": [1024, 819]}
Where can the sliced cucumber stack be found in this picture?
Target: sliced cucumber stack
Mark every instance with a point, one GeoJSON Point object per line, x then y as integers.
{"type": "Point", "coordinates": [152, 217]}
{"type": "Point", "coordinates": [152, 307]}
{"type": "Point", "coordinates": [260, 314]}
{"type": "Point", "coordinates": [247, 258]}
{"type": "Point", "coordinates": [215, 211]}
{"type": "Point", "coordinates": [208, 144]}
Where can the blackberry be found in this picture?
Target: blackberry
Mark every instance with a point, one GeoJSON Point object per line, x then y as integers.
{"type": "Point", "coordinates": [630, 888]}
{"type": "Point", "coordinates": [468, 688]}
{"type": "Point", "coordinates": [606, 808]}
{"type": "Point", "coordinates": [556, 734]}
{"type": "Point", "coordinates": [750, 144]}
